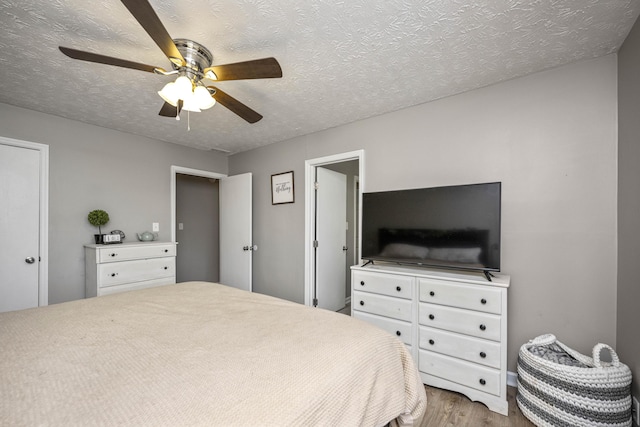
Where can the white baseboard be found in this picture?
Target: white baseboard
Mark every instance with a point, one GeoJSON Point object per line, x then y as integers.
{"type": "Point", "coordinates": [512, 379]}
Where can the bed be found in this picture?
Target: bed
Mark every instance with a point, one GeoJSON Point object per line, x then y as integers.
{"type": "Point", "coordinates": [201, 353]}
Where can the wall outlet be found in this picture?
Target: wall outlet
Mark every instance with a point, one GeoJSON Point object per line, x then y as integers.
{"type": "Point", "coordinates": [156, 226]}
{"type": "Point", "coordinates": [635, 410]}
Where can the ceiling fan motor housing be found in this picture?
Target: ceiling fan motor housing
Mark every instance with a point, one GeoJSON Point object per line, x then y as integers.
{"type": "Point", "coordinates": [196, 56]}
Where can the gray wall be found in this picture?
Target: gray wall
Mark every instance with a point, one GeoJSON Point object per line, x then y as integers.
{"type": "Point", "coordinates": [96, 168]}
{"type": "Point", "coordinates": [550, 138]}
{"type": "Point", "coordinates": [198, 210]}
{"type": "Point", "coordinates": [628, 336]}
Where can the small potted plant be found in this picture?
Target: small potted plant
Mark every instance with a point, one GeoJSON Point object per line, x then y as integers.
{"type": "Point", "coordinates": [98, 218]}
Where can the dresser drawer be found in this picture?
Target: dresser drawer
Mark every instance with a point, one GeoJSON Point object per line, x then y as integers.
{"type": "Point", "coordinates": [464, 347]}
{"type": "Point", "coordinates": [116, 273]}
{"type": "Point", "coordinates": [480, 298]}
{"type": "Point", "coordinates": [136, 285]}
{"type": "Point", "coordinates": [397, 328]}
{"type": "Point", "coordinates": [385, 284]}
{"type": "Point", "coordinates": [459, 371]}
{"type": "Point", "coordinates": [396, 308]}
{"type": "Point", "coordinates": [115, 253]}
{"type": "Point", "coordinates": [482, 325]}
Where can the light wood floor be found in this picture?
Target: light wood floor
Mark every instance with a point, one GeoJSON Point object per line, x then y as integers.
{"type": "Point", "coordinates": [447, 408]}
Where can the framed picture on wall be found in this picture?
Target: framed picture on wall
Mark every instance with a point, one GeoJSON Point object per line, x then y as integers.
{"type": "Point", "coordinates": [282, 188]}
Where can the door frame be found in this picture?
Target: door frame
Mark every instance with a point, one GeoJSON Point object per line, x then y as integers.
{"type": "Point", "coordinates": [175, 170]}
{"type": "Point", "coordinates": [43, 240]}
{"type": "Point", "coordinates": [310, 211]}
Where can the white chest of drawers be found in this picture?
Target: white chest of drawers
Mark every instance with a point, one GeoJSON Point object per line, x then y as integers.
{"type": "Point", "coordinates": [385, 300]}
{"type": "Point", "coordinates": [128, 266]}
{"type": "Point", "coordinates": [456, 325]}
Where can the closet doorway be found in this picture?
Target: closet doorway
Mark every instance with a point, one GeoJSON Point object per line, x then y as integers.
{"type": "Point", "coordinates": [197, 228]}
{"type": "Point", "coordinates": [321, 289]}
{"type": "Point", "coordinates": [233, 222]}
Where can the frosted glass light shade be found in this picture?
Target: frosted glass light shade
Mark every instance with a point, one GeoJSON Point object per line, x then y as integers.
{"type": "Point", "coordinates": [184, 86]}
{"type": "Point", "coordinates": [170, 94]}
{"type": "Point", "coordinates": [203, 98]}
{"type": "Point", "coordinates": [190, 103]}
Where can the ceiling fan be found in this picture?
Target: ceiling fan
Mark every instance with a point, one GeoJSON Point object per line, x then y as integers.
{"type": "Point", "coordinates": [191, 62]}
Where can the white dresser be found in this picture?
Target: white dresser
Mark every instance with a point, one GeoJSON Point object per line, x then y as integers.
{"type": "Point", "coordinates": [454, 323]}
{"type": "Point", "coordinates": [128, 266]}
{"type": "Point", "coordinates": [385, 300]}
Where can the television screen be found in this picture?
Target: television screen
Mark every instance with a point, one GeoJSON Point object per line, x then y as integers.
{"type": "Point", "coordinates": [451, 227]}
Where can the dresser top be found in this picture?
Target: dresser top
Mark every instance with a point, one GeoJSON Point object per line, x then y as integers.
{"type": "Point", "coordinates": [497, 279]}
{"type": "Point", "coordinates": [129, 244]}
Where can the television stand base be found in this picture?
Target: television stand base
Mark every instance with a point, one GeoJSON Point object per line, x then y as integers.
{"type": "Point", "coordinates": [367, 263]}
{"type": "Point", "coordinates": [488, 275]}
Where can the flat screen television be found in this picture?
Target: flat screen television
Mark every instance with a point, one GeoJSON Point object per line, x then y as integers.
{"type": "Point", "coordinates": [449, 227]}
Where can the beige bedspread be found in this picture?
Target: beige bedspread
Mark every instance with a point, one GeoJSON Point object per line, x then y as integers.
{"type": "Point", "coordinates": [201, 354]}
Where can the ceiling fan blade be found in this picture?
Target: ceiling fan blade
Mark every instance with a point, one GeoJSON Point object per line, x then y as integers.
{"type": "Point", "coordinates": [147, 17]}
{"type": "Point", "coordinates": [266, 68]}
{"type": "Point", "coordinates": [235, 106]}
{"type": "Point", "coordinates": [169, 110]}
{"type": "Point", "coordinates": [109, 60]}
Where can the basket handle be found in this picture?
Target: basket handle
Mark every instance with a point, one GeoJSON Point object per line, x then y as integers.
{"type": "Point", "coordinates": [545, 339]}
{"type": "Point", "coordinates": [615, 360]}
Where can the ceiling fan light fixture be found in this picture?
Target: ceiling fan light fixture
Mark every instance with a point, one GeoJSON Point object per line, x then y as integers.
{"type": "Point", "coordinates": [190, 103]}
{"type": "Point", "coordinates": [203, 98]}
{"type": "Point", "coordinates": [170, 94]}
{"type": "Point", "coordinates": [184, 86]}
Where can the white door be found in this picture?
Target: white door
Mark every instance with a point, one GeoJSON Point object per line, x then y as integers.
{"type": "Point", "coordinates": [19, 227]}
{"type": "Point", "coordinates": [236, 245]}
{"type": "Point", "coordinates": [331, 235]}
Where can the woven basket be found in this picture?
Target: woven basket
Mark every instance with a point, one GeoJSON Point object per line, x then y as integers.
{"type": "Point", "coordinates": [558, 386]}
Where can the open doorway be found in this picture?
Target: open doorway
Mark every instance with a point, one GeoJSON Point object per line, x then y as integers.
{"type": "Point", "coordinates": [319, 292]}
{"type": "Point", "coordinates": [235, 234]}
{"type": "Point", "coordinates": [194, 214]}
{"type": "Point", "coordinates": [198, 228]}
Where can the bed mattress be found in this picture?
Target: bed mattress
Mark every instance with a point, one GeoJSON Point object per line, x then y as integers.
{"type": "Point", "coordinates": [201, 353]}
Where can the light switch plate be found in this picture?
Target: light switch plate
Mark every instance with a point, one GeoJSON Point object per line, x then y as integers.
{"type": "Point", "coordinates": [156, 226]}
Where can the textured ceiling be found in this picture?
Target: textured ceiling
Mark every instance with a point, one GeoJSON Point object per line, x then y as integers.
{"type": "Point", "coordinates": [342, 61]}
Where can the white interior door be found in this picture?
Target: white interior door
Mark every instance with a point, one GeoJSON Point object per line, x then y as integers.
{"type": "Point", "coordinates": [331, 235]}
{"type": "Point", "coordinates": [236, 244]}
{"type": "Point", "coordinates": [19, 227]}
